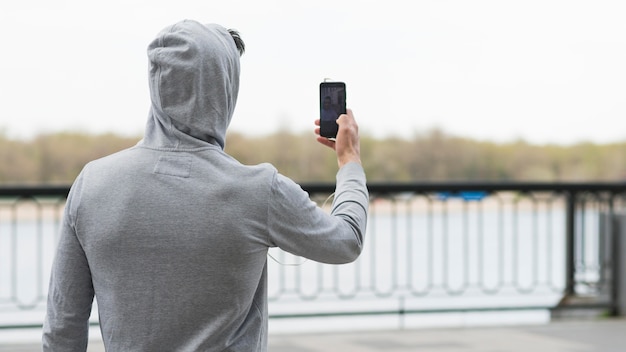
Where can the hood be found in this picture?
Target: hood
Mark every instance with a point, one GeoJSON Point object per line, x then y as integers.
{"type": "Point", "coordinates": [194, 81]}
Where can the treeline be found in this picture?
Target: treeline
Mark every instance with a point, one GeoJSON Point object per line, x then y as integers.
{"type": "Point", "coordinates": [433, 156]}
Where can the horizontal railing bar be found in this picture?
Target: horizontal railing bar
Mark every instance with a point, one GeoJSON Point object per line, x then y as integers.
{"type": "Point", "coordinates": [439, 311]}
{"type": "Point", "coordinates": [385, 187]}
{"type": "Point", "coordinates": [35, 326]}
{"type": "Point", "coordinates": [34, 191]}
{"type": "Point", "coordinates": [376, 187]}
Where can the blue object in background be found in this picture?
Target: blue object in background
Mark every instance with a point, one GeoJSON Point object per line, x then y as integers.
{"type": "Point", "coordinates": [465, 195]}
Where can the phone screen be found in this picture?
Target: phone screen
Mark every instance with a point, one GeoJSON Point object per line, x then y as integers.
{"type": "Point", "coordinates": [332, 104]}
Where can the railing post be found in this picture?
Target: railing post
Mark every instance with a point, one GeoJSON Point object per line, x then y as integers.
{"type": "Point", "coordinates": [618, 260]}
{"type": "Point", "coordinates": [570, 248]}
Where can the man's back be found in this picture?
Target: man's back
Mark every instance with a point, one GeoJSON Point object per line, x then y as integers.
{"type": "Point", "coordinates": [171, 236]}
{"type": "Point", "coordinates": [177, 244]}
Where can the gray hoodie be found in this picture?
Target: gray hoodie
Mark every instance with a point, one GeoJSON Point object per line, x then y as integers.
{"type": "Point", "coordinates": [171, 236]}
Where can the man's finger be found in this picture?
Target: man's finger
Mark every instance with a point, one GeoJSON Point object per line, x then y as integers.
{"type": "Point", "coordinates": [327, 142]}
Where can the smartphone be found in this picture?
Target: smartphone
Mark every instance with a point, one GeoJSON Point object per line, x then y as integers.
{"type": "Point", "coordinates": [332, 104]}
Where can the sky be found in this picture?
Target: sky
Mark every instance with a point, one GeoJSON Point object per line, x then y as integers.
{"type": "Point", "coordinates": [545, 71]}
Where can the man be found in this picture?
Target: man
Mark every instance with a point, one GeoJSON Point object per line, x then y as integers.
{"type": "Point", "coordinates": [171, 236]}
{"type": "Point", "coordinates": [328, 111]}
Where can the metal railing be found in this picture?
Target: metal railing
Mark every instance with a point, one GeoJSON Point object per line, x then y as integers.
{"type": "Point", "coordinates": [430, 247]}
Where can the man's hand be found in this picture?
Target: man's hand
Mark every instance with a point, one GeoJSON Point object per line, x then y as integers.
{"type": "Point", "coordinates": [346, 145]}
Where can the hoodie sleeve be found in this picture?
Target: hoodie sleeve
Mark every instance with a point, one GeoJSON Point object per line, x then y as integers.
{"type": "Point", "coordinates": [297, 225]}
{"type": "Point", "coordinates": [70, 293]}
